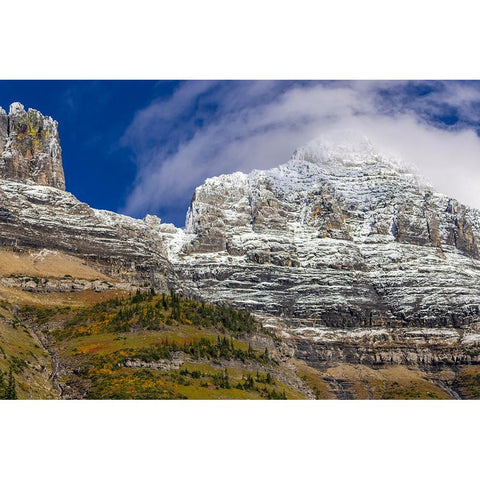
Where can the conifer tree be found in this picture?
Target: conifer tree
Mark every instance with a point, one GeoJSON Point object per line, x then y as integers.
{"type": "Point", "coordinates": [11, 393]}
{"type": "Point", "coordinates": [249, 383]}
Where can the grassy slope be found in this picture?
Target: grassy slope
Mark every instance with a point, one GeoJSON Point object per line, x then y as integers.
{"type": "Point", "coordinates": [467, 382]}
{"type": "Point", "coordinates": [20, 350]}
{"type": "Point", "coordinates": [94, 343]}
{"type": "Point", "coordinates": [46, 264]}
{"type": "Point", "coordinates": [364, 382]}
{"type": "Point", "coordinates": [388, 383]}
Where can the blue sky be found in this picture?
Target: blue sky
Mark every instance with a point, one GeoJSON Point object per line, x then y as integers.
{"type": "Point", "coordinates": [140, 147]}
{"type": "Point", "coordinates": [92, 117]}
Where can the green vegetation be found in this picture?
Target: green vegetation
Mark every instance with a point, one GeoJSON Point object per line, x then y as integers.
{"type": "Point", "coordinates": [395, 391]}
{"type": "Point", "coordinates": [193, 382]}
{"type": "Point", "coordinates": [8, 390]}
{"type": "Point", "coordinates": [24, 367]}
{"type": "Point", "coordinates": [147, 311]}
{"type": "Point", "coordinates": [468, 382]}
{"type": "Point", "coordinates": [147, 346]}
{"type": "Point", "coordinates": [201, 348]}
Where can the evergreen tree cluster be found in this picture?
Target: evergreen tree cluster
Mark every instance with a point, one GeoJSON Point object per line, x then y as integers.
{"type": "Point", "coordinates": [175, 306]}
{"type": "Point", "coordinates": [257, 383]}
{"type": "Point", "coordinates": [221, 380]}
{"type": "Point", "coordinates": [146, 310]}
{"type": "Point", "coordinates": [250, 383]}
{"type": "Point", "coordinates": [7, 386]}
{"type": "Point", "coordinates": [222, 348]}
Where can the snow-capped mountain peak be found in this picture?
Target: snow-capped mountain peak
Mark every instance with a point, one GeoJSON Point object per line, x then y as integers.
{"type": "Point", "coordinates": [349, 149]}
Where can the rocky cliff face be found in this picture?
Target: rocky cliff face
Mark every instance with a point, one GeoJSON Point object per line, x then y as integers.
{"type": "Point", "coordinates": [36, 217]}
{"type": "Point", "coordinates": [30, 148]}
{"type": "Point", "coordinates": [342, 237]}
{"type": "Point", "coordinates": [339, 234]}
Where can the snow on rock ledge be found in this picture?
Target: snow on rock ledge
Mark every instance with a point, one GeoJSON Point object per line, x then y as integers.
{"type": "Point", "coordinates": [341, 234]}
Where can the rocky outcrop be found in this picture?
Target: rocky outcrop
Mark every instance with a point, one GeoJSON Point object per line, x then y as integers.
{"type": "Point", "coordinates": [65, 284]}
{"type": "Point", "coordinates": [3, 128]}
{"type": "Point", "coordinates": [174, 363]}
{"type": "Point", "coordinates": [36, 213]}
{"type": "Point", "coordinates": [35, 217]}
{"type": "Point", "coordinates": [30, 148]}
{"type": "Point", "coordinates": [381, 346]}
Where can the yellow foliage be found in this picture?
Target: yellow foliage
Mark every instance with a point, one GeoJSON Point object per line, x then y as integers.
{"type": "Point", "coordinates": [87, 349]}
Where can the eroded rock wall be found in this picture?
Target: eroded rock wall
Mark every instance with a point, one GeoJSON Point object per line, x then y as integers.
{"type": "Point", "coordinates": [341, 235]}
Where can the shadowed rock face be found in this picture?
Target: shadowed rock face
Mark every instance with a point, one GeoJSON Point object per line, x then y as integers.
{"type": "Point", "coordinates": [29, 148]}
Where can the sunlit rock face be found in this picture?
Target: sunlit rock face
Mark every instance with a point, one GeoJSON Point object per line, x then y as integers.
{"type": "Point", "coordinates": [342, 235]}
{"type": "Point", "coordinates": [29, 148]}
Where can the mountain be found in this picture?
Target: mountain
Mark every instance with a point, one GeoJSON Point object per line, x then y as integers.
{"type": "Point", "coordinates": [345, 251]}
{"type": "Point", "coordinates": [355, 239]}
{"type": "Point", "coordinates": [365, 281]}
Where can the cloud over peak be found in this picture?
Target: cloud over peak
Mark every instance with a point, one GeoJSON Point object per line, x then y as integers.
{"type": "Point", "coordinates": [207, 128]}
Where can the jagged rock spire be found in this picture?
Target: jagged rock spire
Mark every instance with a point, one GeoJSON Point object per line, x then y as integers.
{"type": "Point", "coordinates": [30, 148]}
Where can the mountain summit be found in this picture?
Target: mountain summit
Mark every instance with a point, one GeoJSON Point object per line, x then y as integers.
{"type": "Point", "coordinates": [30, 148]}
{"type": "Point", "coordinates": [340, 234]}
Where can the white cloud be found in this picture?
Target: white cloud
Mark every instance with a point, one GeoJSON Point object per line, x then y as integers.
{"type": "Point", "coordinates": [248, 125]}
